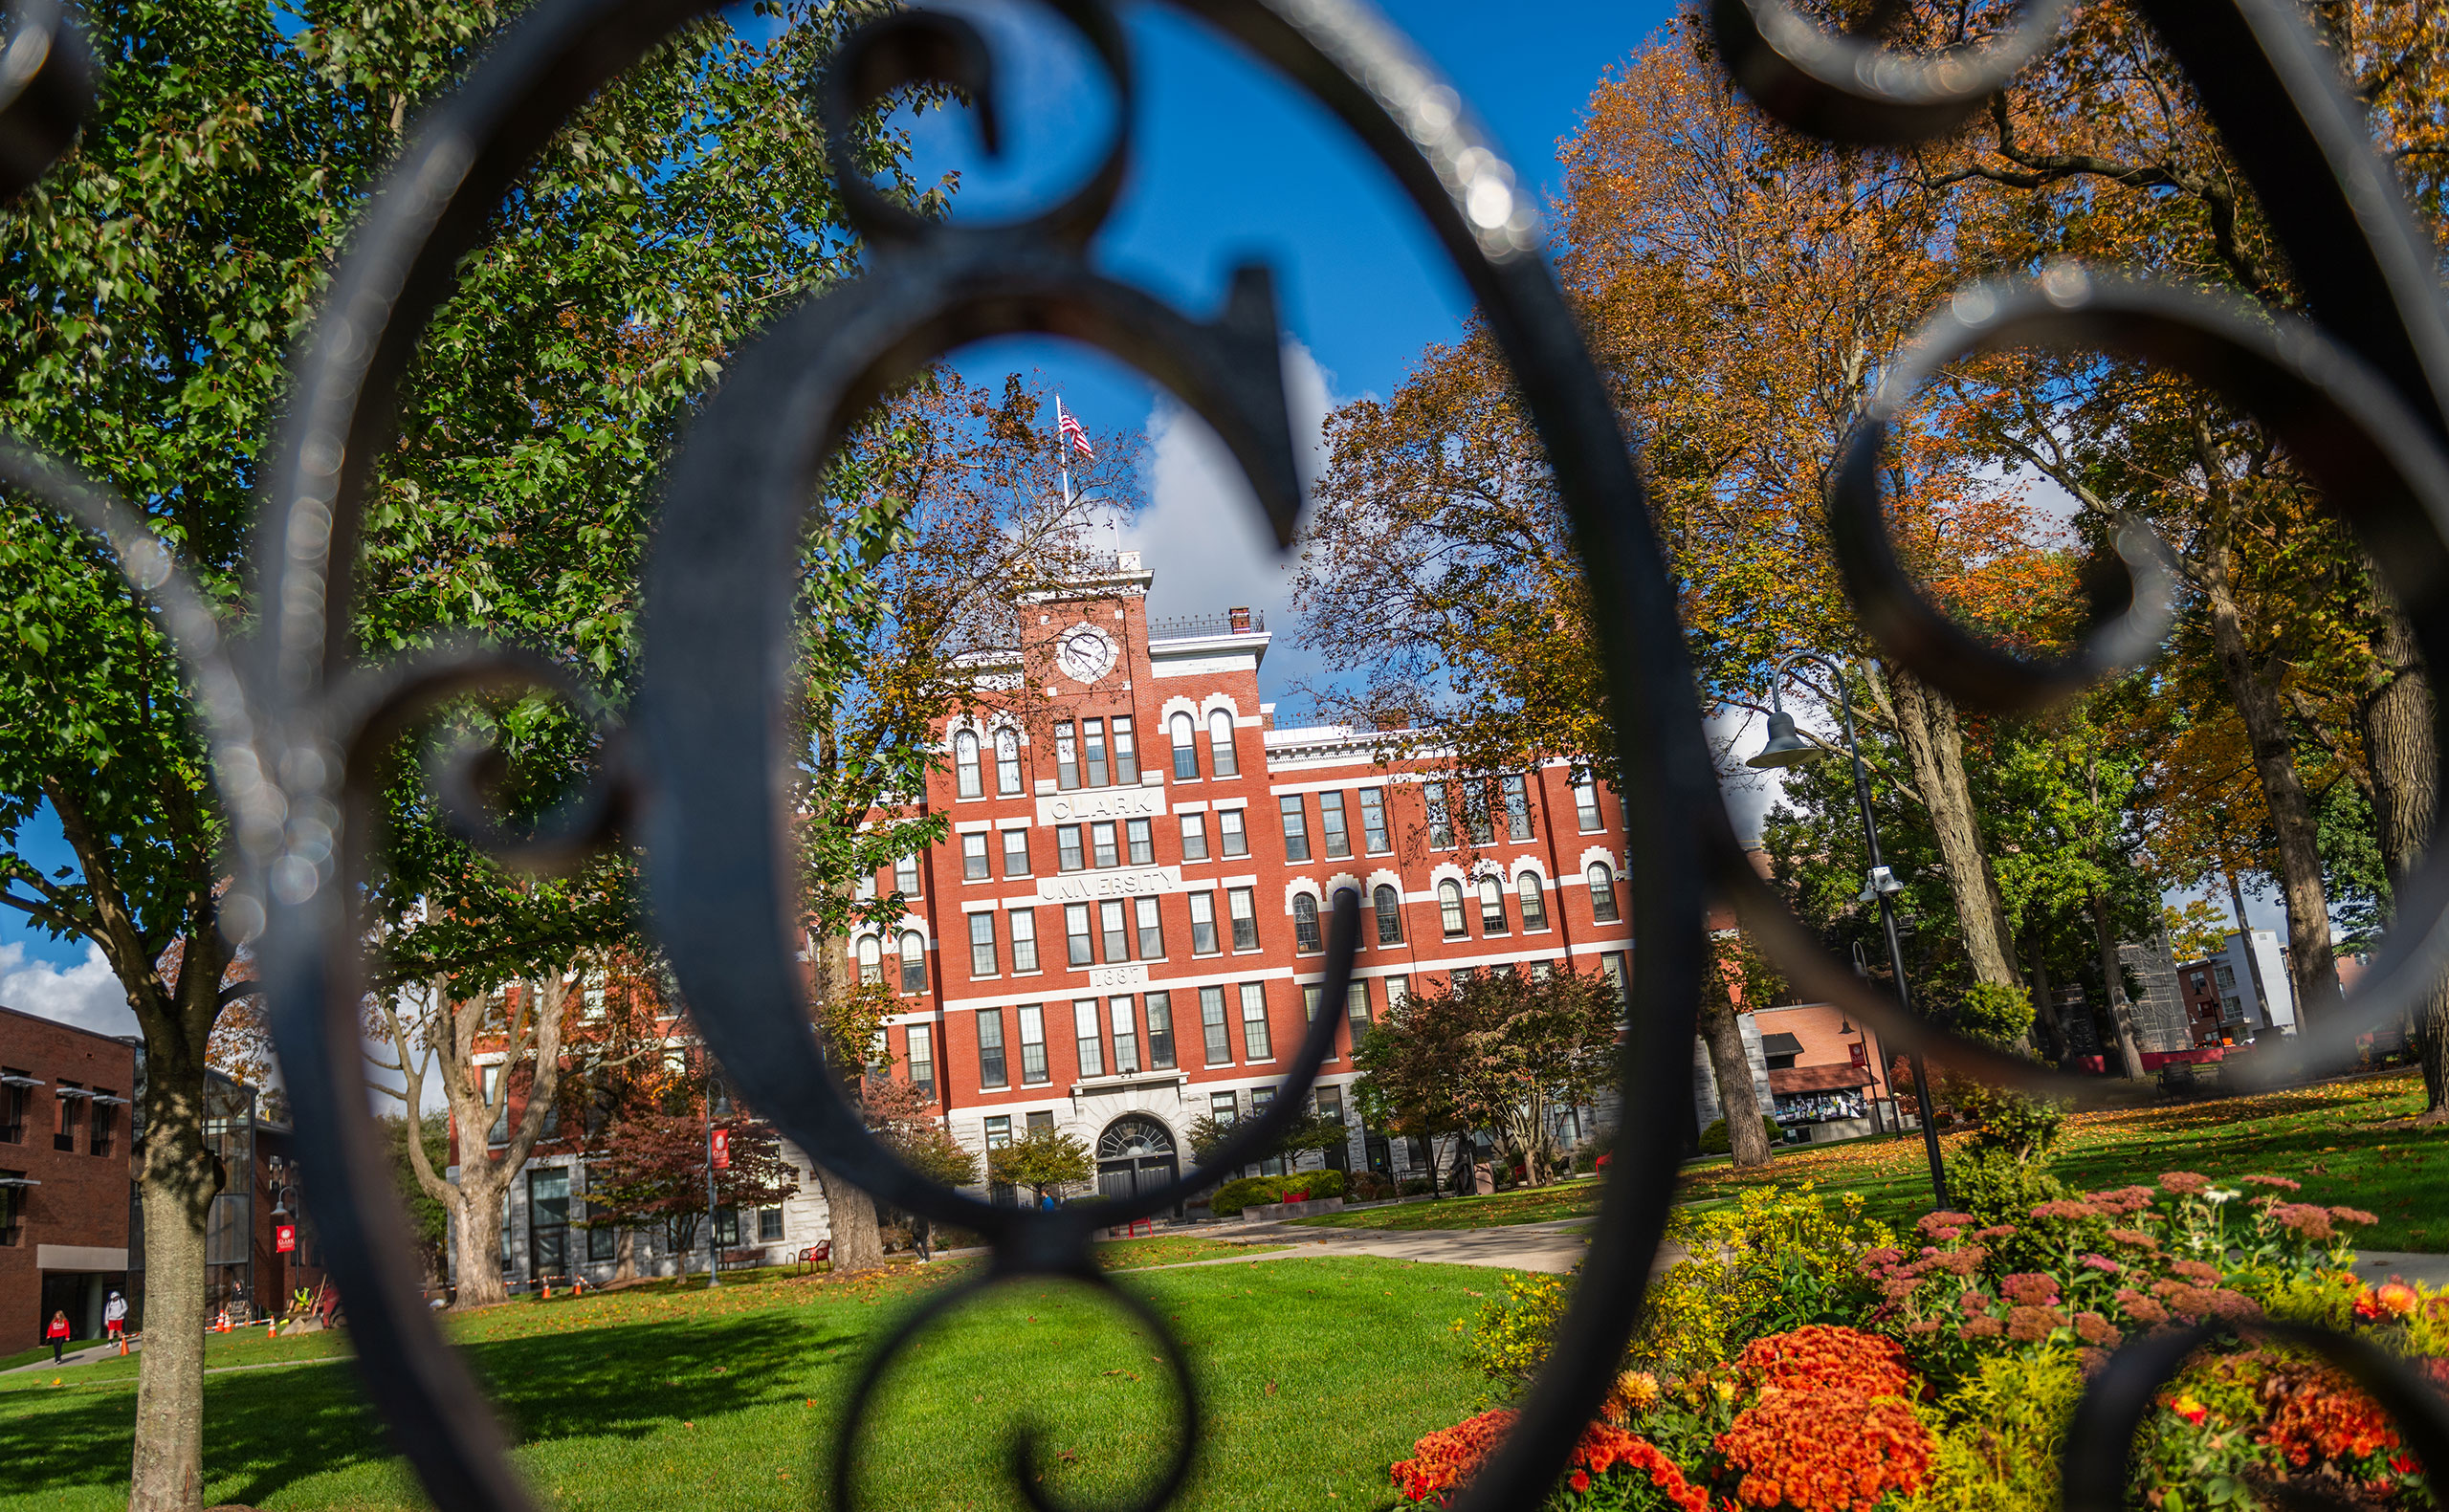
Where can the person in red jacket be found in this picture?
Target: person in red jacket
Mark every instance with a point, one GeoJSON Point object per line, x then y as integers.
{"type": "Point", "coordinates": [58, 1334]}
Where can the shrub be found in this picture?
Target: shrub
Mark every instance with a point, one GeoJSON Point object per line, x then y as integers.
{"type": "Point", "coordinates": [2000, 1193]}
{"type": "Point", "coordinates": [1714, 1140]}
{"type": "Point", "coordinates": [2001, 1436]}
{"type": "Point", "coordinates": [1319, 1184]}
{"type": "Point", "coordinates": [1233, 1196]}
{"type": "Point", "coordinates": [1368, 1186]}
{"type": "Point", "coordinates": [1416, 1187]}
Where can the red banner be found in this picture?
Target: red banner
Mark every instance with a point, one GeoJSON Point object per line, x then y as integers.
{"type": "Point", "coordinates": [722, 1149]}
{"type": "Point", "coordinates": [284, 1238]}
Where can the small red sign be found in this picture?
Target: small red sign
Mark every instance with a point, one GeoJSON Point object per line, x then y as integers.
{"type": "Point", "coordinates": [284, 1238]}
{"type": "Point", "coordinates": [722, 1149]}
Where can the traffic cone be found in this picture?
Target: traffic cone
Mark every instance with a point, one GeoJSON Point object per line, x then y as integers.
{"type": "Point", "coordinates": [548, 1291]}
{"type": "Point", "coordinates": [123, 1347]}
{"type": "Point", "coordinates": [578, 1287]}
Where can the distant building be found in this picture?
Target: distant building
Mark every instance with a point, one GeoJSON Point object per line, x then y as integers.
{"type": "Point", "coordinates": [2199, 990]}
{"type": "Point", "coordinates": [2254, 996]}
{"type": "Point", "coordinates": [2152, 990]}
{"type": "Point", "coordinates": [70, 1230]}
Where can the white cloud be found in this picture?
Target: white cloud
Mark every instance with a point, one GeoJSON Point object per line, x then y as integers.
{"type": "Point", "coordinates": [1204, 533]}
{"type": "Point", "coordinates": [86, 995]}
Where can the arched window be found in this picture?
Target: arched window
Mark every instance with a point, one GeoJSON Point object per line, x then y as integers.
{"type": "Point", "coordinates": [1602, 892]}
{"type": "Point", "coordinates": [1492, 905]}
{"type": "Point", "coordinates": [913, 964]}
{"type": "Point", "coordinates": [1186, 749]}
{"type": "Point", "coordinates": [1304, 924]}
{"type": "Point", "coordinates": [1008, 762]}
{"type": "Point", "coordinates": [1219, 743]}
{"type": "Point", "coordinates": [870, 960]}
{"type": "Point", "coordinates": [1449, 907]}
{"type": "Point", "coordinates": [1535, 903]}
{"type": "Point", "coordinates": [965, 765]}
{"type": "Point", "coordinates": [1389, 905]}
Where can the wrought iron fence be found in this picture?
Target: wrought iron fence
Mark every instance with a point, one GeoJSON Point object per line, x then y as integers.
{"type": "Point", "coordinates": [1193, 627]}
{"type": "Point", "coordinates": [296, 723]}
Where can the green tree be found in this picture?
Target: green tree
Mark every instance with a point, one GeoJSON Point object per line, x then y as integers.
{"type": "Point", "coordinates": [428, 1220]}
{"type": "Point", "coordinates": [1501, 1050]}
{"type": "Point", "coordinates": [1045, 1159]}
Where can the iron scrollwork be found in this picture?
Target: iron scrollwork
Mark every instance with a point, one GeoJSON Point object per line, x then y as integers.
{"type": "Point", "coordinates": [297, 728]}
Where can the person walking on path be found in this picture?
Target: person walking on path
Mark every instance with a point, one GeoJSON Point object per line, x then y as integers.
{"type": "Point", "coordinates": [114, 1318]}
{"type": "Point", "coordinates": [58, 1334]}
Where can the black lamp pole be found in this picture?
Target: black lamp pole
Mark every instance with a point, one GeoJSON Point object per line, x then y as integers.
{"type": "Point", "coordinates": [1785, 749]}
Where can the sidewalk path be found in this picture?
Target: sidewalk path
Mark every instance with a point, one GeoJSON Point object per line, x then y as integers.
{"type": "Point", "coordinates": [1551, 1247]}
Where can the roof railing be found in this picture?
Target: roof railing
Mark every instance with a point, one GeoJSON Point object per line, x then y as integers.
{"type": "Point", "coordinates": [1193, 627]}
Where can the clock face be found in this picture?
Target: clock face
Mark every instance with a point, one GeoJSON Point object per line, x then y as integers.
{"type": "Point", "coordinates": [1085, 653]}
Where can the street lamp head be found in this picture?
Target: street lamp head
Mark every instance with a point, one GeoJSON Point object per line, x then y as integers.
{"type": "Point", "coordinates": [1785, 748]}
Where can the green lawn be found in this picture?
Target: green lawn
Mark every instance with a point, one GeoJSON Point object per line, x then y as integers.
{"type": "Point", "coordinates": [2348, 1141]}
{"type": "Point", "coordinates": [1173, 1249]}
{"type": "Point", "coordinates": [658, 1397]}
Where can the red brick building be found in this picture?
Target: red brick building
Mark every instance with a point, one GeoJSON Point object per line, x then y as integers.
{"type": "Point", "coordinates": [65, 1103]}
{"type": "Point", "coordinates": [1125, 930]}
{"type": "Point", "coordinates": [67, 1210]}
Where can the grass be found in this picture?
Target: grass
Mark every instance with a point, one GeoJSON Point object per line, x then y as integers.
{"type": "Point", "coordinates": [662, 1396]}
{"type": "Point", "coordinates": [2346, 1140]}
{"type": "Point", "coordinates": [1171, 1249]}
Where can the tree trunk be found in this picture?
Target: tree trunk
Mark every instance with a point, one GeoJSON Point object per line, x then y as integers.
{"type": "Point", "coordinates": [176, 1186]}
{"type": "Point", "coordinates": [476, 1233]}
{"type": "Point", "coordinates": [2049, 1035]}
{"type": "Point", "coordinates": [1934, 749]}
{"type": "Point", "coordinates": [858, 1245]}
{"type": "Point", "coordinates": [2400, 747]}
{"type": "Point", "coordinates": [2312, 968]}
{"type": "Point", "coordinates": [1731, 1069]}
{"type": "Point", "coordinates": [625, 1254]}
{"type": "Point", "coordinates": [2121, 1011]}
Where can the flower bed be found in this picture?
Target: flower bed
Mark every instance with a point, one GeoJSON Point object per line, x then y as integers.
{"type": "Point", "coordinates": [1808, 1358]}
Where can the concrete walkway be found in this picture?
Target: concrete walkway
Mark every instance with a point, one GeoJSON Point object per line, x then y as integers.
{"type": "Point", "coordinates": [2376, 1267]}
{"type": "Point", "coordinates": [1549, 1247]}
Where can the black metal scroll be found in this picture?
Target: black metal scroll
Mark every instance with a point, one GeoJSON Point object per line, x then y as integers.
{"type": "Point", "coordinates": [297, 727]}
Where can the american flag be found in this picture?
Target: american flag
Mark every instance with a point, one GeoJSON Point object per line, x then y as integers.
{"type": "Point", "coordinates": [1068, 428]}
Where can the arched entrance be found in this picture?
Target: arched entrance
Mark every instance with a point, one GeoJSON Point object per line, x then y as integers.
{"type": "Point", "coordinates": [1135, 1153]}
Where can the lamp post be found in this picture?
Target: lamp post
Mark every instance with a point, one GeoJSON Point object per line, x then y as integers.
{"type": "Point", "coordinates": [714, 1250]}
{"type": "Point", "coordinates": [1785, 749]}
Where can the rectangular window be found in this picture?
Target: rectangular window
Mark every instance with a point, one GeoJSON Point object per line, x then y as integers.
{"type": "Point", "coordinates": [1534, 901]}
{"type": "Point", "coordinates": [1024, 939]}
{"type": "Point", "coordinates": [1033, 1043]}
{"type": "Point", "coordinates": [1356, 1010]}
{"type": "Point", "coordinates": [973, 858]}
{"type": "Point", "coordinates": [981, 944]}
{"type": "Point", "coordinates": [1094, 739]}
{"type": "Point", "coordinates": [1160, 1031]}
{"type": "Point", "coordinates": [1203, 924]}
{"type": "Point", "coordinates": [1211, 1025]}
{"type": "Point", "coordinates": [1296, 826]}
{"type": "Point", "coordinates": [1114, 930]}
{"type": "Point", "coordinates": [1067, 848]}
{"type": "Point", "coordinates": [1016, 852]}
{"type": "Point", "coordinates": [1242, 904]}
{"type": "Point", "coordinates": [727, 1227]}
{"type": "Point", "coordinates": [1612, 967]}
{"type": "Point", "coordinates": [103, 1130]}
{"type": "Point", "coordinates": [991, 1071]}
{"type": "Point", "coordinates": [1143, 841]}
{"type": "Point", "coordinates": [1441, 818]}
{"type": "Point", "coordinates": [13, 1109]}
{"type": "Point", "coordinates": [1585, 804]}
{"type": "Point", "coordinates": [1008, 762]}
{"type": "Point", "coordinates": [1126, 1037]}
{"type": "Point", "coordinates": [1311, 993]}
{"type": "Point", "coordinates": [913, 964]}
{"type": "Point", "coordinates": [13, 1210]}
{"type": "Point", "coordinates": [71, 1108]}
{"type": "Point", "coordinates": [1224, 1107]}
{"type": "Point", "coordinates": [1152, 931]}
{"type": "Point", "coordinates": [499, 1133]}
{"type": "Point", "coordinates": [1331, 824]}
{"type": "Point", "coordinates": [1477, 819]}
{"type": "Point", "coordinates": [1492, 907]}
{"type": "Point", "coordinates": [1075, 933]}
{"type": "Point", "coordinates": [1102, 840]}
{"type": "Point", "coordinates": [1517, 808]}
{"type": "Point", "coordinates": [1185, 750]}
{"type": "Point", "coordinates": [1219, 743]}
{"type": "Point", "coordinates": [1228, 829]}
{"type": "Point", "coordinates": [1039, 1124]}
{"type": "Point", "coordinates": [922, 1057]}
{"type": "Point", "coordinates": [1092, 1045]}
{"type": "Point", "coordinates": [1126, 753]}
{"type": "Point", "coordinates": [769, 1225]}
{"type": "Point", "coordinates": [1067, 757]}
{"type": "Point", "coordinates": [548, 1220]}
{"type": "Point", "coordinates": [905, 876]}
{"type": "Point", "coordinates": [1194, 837]}
{"type": "Point", "coordinates": [999, 1130]}
{"type": "Point", "coordinates": [603, 1234]}
{"type": "Point", "coordinates": [1374, 834]}
{"type": "Point", "coordinates": [1254, 1040]}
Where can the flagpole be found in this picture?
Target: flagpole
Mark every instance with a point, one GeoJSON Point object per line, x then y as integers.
{"type": "Point", "coordinates": [1062, 455]}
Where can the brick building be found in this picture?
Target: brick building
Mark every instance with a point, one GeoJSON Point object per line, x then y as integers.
{"type": "Point", "coordinates": [70, 1230]}
{"type": "Point", "coordinates": [64, 1190]}
{"type": "Point", "coordinates": [1125, 930]}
